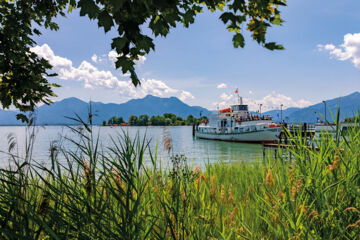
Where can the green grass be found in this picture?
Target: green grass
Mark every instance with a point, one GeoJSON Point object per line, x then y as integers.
{"type": "Point", "coordinates": [98, 194]}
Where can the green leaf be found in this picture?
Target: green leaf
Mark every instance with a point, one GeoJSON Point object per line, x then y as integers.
{"type": "Point", "coordinates": [105, 20]}
{"type": "Point", "coordinates": [274, 46]}
{"type": "Point", "coordinates": [88, 7]}
{"type": "Point", "coordinates": [226, 16]}
{"type": "Point", "coordinates": [22, 117]}
{"type": "Point", "coordinates": [277, 21]}
{"type": "Point", "coordinates": [118, 43]}
{"type": "Point", "coordinates": [238, 40]}
{"type": "Point", "coordinates": [117, 4]}
{"type": "Point", "coordinates": [146, 43]}
{"type": "Point", "coordinates": [134, 78]}
{"type": "Point", "coordinates": [125, 63]}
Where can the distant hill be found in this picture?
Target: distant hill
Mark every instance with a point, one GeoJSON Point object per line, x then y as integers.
{"type": "Point", "coordinates": [56, 113]}
{"type": "Point", "coordinates": [349, 106]}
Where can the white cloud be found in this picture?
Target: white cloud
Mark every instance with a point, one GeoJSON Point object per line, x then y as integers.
{"type": "Point", "coordinates": [349, 50]}
{"type": "Point", "coordinates": [94, 58]}
{"type": "Point", "coordinates": [112, 55]}
{"type": "Point", "coordinates": [222, 85]}
{"type": "Point", "coordinates": [269, 102]}
{"type": "Point", "coordinates": [95, 78]}
{"type": "Point", "coordinates": [226, 97]}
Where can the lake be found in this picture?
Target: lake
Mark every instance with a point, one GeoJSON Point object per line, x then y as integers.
{"type": "Point", "coordinates": [197, 151]}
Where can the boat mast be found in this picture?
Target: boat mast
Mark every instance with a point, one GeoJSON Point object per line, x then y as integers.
{"type": "Point", "coordinates": [238, 95]}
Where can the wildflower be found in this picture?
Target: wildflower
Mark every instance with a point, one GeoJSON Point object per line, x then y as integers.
{"type": "Point", "coordinates": [269, 178]}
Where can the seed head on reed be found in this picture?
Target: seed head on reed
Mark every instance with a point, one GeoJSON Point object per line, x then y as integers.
{"type": "Point", "coordinates": [275, 217]}
{"type": "Point", "coordinates": [281, 195]}
{"type": "Point", "coordinates": [355, 225]}
{"type": "Point", "coordinates": [269, 178]}
{"type": "Point", "coordinates": [167, 140]}
{"type": "Point", "coordinates": [203, 178]}
{"type": "Point", "coordinates": [222, 195]}
{"type": "Point", "coordinates": [351, 209]}
{"type": "Point", "coordinates": [294, 237]}
{"type": "Point", "coordinates": [296, 188]}
{"type": "Point", "coordinates": [230, 195]}
{"type": "Point", "coordinates": [87, 175]}
{"type": "Point", "coordinates": [293, 192]}
{"type": "Point", "coordinates": [183, 196]}
{"type": "Point", "coordinates": [313, 215]}
{"type": "Point", "coordinates": [196, 170]}
{"type": "Point", "coordinates": [302, 208]}
{"type": "Point", "coordinates": [333, 166]}
{"type": "Point", "coordinates": [167, 144]}
{"type": "Point", "coordinates": [44, 205]}
{"type": "Point", "coordinates": [197, 183]}
{"type": "Point", "coordinates": [116, 176]}
{"type": "Point", "coordinates": [213, 188]}
{"type": "Point", "coordinates": [233, 213]}
{"type": "Point", "coordinates": [292, 175]}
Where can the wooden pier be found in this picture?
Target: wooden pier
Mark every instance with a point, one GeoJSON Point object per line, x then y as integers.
{"type": "Point", "coordinates": [289, 131]}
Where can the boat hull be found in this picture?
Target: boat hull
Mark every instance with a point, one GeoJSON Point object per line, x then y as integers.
{"type": "Point", "coordinates": [266, 136]}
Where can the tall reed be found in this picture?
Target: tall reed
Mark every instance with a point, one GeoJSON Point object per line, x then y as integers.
{"type": "Point", "coordinates": [308, 191]}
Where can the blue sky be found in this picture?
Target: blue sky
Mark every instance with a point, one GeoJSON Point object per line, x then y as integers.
{"type": "Point", "coordinates": [191, 63]}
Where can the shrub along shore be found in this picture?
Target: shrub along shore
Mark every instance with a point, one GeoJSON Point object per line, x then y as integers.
{"type": "Point", "coordinates": [314, 194]}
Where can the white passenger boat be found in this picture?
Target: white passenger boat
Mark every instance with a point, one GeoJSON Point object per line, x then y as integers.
{"type": "Point", "coordinates": [237, 125]}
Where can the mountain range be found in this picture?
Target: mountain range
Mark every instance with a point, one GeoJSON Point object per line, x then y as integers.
{"type": "Point", "coordinates": [349, 106]}
{"type": "Point", "coordinates": [56, 113]}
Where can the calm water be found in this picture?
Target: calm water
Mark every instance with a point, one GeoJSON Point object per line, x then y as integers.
{"type": "Point", "coordinates": [197, 151]}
